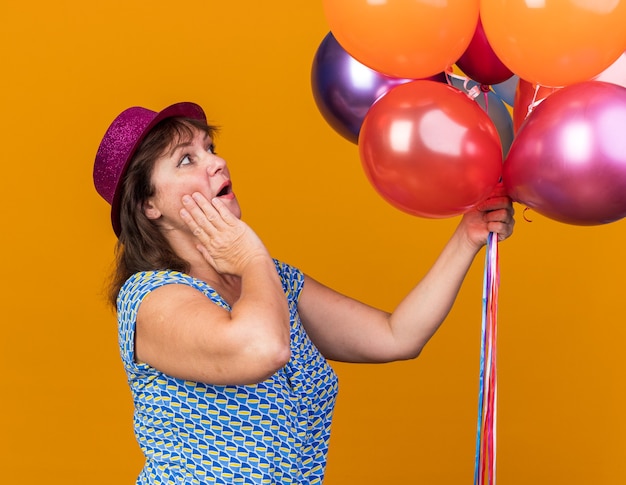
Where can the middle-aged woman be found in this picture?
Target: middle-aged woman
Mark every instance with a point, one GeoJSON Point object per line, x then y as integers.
{"type": "Point", "coordinates": [226, 348]}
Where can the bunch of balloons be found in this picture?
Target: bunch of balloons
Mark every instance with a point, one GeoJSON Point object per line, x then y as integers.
{"type": "Point", "coordinates": [447, 99]}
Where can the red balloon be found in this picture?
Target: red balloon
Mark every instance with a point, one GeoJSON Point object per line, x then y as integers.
{"type": "Point", "coordinates": [430, 150]}
{"type": "Point", "coordinates": [480, 62]}
{"type": "Point", "coordinates": [568, 160]}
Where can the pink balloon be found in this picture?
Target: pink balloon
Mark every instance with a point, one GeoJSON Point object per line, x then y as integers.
{"type": "Point", "coordinates": [429, 150]}
{"type": "Point", "coordinates": [568, 160]}
{"type": "Point", "coordinates": [480, 62]}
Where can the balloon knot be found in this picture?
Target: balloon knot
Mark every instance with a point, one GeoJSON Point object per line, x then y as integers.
{"type": "Point", "coordinates": [485, 88]}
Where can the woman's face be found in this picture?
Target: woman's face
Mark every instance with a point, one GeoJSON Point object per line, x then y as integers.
{"type": "Point", "coordinates": [188, 166]}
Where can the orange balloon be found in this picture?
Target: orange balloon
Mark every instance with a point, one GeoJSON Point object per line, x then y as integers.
{"type": "Point", "coordinates": [527, 97]}
{"type": "Point", "coordinates": [411, 39]}
{"type": "Point", "coordinates": [555, 42]}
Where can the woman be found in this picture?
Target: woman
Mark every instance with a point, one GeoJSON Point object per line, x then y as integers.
{"type": "Point", "coordinates": [225, 348]}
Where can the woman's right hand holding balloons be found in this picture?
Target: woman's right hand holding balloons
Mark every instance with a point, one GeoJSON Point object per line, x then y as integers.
{"type": "Point", "coordinates": [494, 214]}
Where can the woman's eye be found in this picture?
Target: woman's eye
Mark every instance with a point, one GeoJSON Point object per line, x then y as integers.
{"type": "Point", "coordinates": [184, 161]}
{"type": "Point", "coordinates": [211, 149]}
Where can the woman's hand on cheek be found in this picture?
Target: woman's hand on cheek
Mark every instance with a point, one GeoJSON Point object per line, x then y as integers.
{"type": "Point", "coordinates": [225, 241]}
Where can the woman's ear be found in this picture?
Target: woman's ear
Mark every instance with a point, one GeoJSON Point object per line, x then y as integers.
{"type": "Point", "coordinates": [150, 210]}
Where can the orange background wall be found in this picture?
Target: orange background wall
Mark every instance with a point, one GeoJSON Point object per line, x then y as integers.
{"type": "Point", "coordinates": [69, 67]}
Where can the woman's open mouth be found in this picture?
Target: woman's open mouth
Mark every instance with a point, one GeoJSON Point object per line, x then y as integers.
{"type": "Point", "coordinates": [226, 190]}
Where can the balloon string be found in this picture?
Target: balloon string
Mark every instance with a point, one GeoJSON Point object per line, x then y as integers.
{"type": "Point", "coordinates": [524, 214]}
{"type": "Point", "coordinates": [472, 92]}
{"type": "Point", "coordinates": [535, 102]}
{"type": "Point", "coordinates": [493, 347]}
{"type": "Point", "coordinates": [485, 456]}
{"type": "Point", "coordinates": [493, 388]}
{"type": "Point", "coordinates": [481, 381]}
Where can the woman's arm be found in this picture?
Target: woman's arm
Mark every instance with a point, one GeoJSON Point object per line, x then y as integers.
{"type": "Point", "coordinates": [182, 333]}
{"type": "Point", "coordinates": [347, 330]}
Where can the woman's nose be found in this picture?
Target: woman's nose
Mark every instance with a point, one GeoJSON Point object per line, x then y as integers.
{"type": "Point", "coordinates": [215, 164]}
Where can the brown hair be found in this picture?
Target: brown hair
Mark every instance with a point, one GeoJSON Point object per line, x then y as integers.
{"type": "Point", "coordinates": [141, 245]}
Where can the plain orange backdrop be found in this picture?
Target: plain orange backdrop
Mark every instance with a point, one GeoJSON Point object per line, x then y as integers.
{"type": "Point", "coordinates": [69, 67]}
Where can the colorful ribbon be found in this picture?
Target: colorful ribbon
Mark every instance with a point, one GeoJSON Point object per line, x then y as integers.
{"type": "Point", "coordinates": [485, 459]}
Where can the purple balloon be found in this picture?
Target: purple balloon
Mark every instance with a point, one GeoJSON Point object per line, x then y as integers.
{"type": "Point", "coordinates": [344, 89]}
{"type": "Point", "coordinates": [568, 159]}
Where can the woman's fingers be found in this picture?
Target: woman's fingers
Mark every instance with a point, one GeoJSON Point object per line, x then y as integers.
{"type": "Point", "coordinates": [501, 220]}
{"type": "Point", "coordinates": [201, 211]}
{"type": "Point", "coordinates": [226, 215]}
{"type": "Point", "coordinates": [224, 240]}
